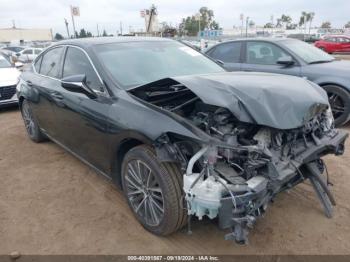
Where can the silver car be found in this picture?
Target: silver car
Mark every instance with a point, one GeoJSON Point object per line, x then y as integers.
{"type": "Point", "coordinates": [290, 57]}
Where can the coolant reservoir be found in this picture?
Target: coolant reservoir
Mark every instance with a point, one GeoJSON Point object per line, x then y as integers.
{"type": "Point", "coordinates": [204, 198]}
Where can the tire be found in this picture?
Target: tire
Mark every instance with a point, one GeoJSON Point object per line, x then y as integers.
{"type": "Point", "coordinates": [339, 100]}
{"type": "Point", "coordinates": [30, 123]}
{"type": "Point", "coordinates": [153, 191]}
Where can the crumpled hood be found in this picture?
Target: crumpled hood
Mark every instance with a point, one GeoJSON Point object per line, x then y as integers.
{"type": "Point", "coordinates": [278, 101]}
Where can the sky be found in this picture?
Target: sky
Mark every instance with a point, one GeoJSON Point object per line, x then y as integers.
{"type": "Point", "coordinates": [109, 13]}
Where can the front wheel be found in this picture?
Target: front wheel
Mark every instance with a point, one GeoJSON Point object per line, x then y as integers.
{"type": "Point", "coordinates": [153, 190]}
{"type": "Point", "coordinates": [339, 100]}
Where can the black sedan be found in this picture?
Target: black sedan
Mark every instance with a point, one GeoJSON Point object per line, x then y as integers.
{"type": "Point", "coordinates": [290, 57]}
{"type": "Point", "coordinates": [182, 137]}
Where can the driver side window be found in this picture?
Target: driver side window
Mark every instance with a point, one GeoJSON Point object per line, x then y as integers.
{"type": "Point", "coordinates": [77, 63]}
{"type": "Point", "coordinates": [264, 53]}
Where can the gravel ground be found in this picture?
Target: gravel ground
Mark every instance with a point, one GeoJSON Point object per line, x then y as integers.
{"type": "Point", "coordinates": [51, 203]}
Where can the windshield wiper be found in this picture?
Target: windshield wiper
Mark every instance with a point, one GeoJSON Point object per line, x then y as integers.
{"type": "Point", "coordinates": [320, 61]}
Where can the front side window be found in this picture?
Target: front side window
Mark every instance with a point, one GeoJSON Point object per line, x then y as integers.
{"type": "Point", "coordinates": [77, 63]}
{"type": "Point", "coordinates": [50, 64]}
{"type": "Point", "coordinates": [37, 51]}
{"type": "Point", "coordinates": [264, 53]}
{"type": "Point", "coordinates": [227, 52]}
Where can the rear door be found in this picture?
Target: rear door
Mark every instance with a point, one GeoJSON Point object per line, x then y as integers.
{"type": "Point", "coordinates": [81, 121]}
{"type": "Point", "coordinates": [344, 43]}
{"type": "Point", "coordinates": [229, 54]}
{"type": "Point", "coordinates": [261, 56]}
{"type": "Point", "coordinates": [44, 80]}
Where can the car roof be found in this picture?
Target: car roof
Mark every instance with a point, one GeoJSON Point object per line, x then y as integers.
{"type": "Point", "coordinates": [265, 39]}
{"type": "Point", "coordinates": [91, 41]}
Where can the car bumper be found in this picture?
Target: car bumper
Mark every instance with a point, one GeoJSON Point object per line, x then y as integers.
{"type": "Point", "coordinates": [250, 205]}
{"type": "Point", "coordinates": [8, 96]}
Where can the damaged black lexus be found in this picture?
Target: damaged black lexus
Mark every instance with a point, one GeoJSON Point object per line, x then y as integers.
{"type": "Point", "coordinates": [182, 137]}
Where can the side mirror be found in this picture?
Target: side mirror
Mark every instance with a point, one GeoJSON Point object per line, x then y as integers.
{"type": "Point", "coordinates": [18, 64]}
{"type": "Point", "coordinates": [77, 84]}
{"type": "Point", "coordinates": [286, 61]}
{"type": "Point", "coordinates": [18, 54]}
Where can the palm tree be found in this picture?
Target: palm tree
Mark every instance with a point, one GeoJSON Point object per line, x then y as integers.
{"type": "Point", "coordinates": [309, 17]}
{"type": "Point", "coordinates": [286, 19]}
{"type": "Point", "coordinates": [302, 19]}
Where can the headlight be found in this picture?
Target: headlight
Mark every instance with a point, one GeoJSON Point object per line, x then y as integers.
{"type": "Point", "coordinates": [329, 119]}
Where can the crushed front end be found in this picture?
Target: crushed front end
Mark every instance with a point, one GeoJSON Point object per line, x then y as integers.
{"type": "Point", "coordinates": [244, 138]}
{"type": "Point", "coordinates": [236, 180]}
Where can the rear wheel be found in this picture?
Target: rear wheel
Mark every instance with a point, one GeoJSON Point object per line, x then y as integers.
{"type": "Point", "coordinates": [31, 124]}
{"type": "Point", "coordinates": [339, 99]}
{"type": "Point", "coordinates": [153, 191]}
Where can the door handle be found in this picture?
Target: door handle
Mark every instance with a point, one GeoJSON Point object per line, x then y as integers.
{"type": "Point", "coordinates": [57, 96]}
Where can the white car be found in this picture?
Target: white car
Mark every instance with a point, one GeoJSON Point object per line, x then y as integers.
{"type": "Point", "coordinates": [8, 80]}
{"type": "Point", "coordinates": [28, 54]}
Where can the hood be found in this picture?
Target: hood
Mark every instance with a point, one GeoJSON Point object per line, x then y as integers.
{"type": "Point", "coordinates": [278, 101]}
{"type": "Point", "coordinates": [336, 67]}
{"type": "Point", "coordinates": [9, 76]}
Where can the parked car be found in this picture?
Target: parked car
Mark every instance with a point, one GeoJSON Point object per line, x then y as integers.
{"type": "Point", "coordinates": [290, 57]}
{"type": "Point", "coordinates": [334, 44]}
{"type": "Point", "coordinates": [8, 80]}
{"type": "Point", "coordinates": [11, 50]}
{"type": "Point", "coordinates": [179, 134]}
{"type": "Point", "coordinates": [28, 54]}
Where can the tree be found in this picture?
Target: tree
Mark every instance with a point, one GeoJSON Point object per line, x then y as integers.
{"type": "Point", "coordinates": [82, 33]}
{"type": "Point", "coordinates": [347, 25]}
{"type": "Point", "coordinates": [58, 36]}
{"type": "Point", "coordinates": [310, 16]}
{"type": "Point", "coordinates": [326, 25]}
{"type": "Point", "coordinates": [204, 20]}
{"type": "Point", "coordinates": [268, 25]}
{"type": "Point", "coordinates": [104, 33]}
{"type": "Point", "coordinates": [286, 20]}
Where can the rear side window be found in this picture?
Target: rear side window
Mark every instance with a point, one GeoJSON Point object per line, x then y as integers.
{"type": "Point", "coordinates": [50, 65]}
{"type": "Point", "coordinates": [227, 52]}
{"type": "Point", "coordinates": [38, 64]}
{"type": "Point", "coordinates": [77, 63]}
{"type": "Point", "coordinates": [37, 51]}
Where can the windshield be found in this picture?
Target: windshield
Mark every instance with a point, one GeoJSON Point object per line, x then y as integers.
{"type": "Point", "coordinates": [4, 63]}
{"type": "Point", "coordinates": [309, 53]}
{"type": "Point", "coordinates": [15, 49]}
{"type": "Point", "coordinates": [137, 63]}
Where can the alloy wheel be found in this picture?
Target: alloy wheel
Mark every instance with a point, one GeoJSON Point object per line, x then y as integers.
{"type": "Point", "coordinates": [337, 105]}
{"type": "Point", "coordinates": [144, 192]}
{"type": "Point", "coordinates": [28, 119]}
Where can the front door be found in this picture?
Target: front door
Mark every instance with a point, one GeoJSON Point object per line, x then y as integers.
{"type": "Point", "coordinates": [82, 124]}
{"type": "Point", "coordinates": [262, 56]}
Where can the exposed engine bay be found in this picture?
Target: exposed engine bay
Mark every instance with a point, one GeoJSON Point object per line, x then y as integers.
{"type": "Point", "coordinates": [238, 167]}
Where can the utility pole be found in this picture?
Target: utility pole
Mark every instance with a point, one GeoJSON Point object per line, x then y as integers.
{"type": "Point", "coordinates": [121, 28]}
{"type": "Point", "coordinates": [13, 24]}
{"type": "Point", "coordinates": [242, 20]}
{"type": "Point", "coordinates": [246, 26]}
{"type": "Point", "coordinates": [71, 11]}
{"type": "Point", "coordinates": [98, 30]}
{"type": "Point", "coordinates": [67, 28]}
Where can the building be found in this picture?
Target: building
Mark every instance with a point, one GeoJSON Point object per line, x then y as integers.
{"type": "Point", "coordinates": [10, 35]}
